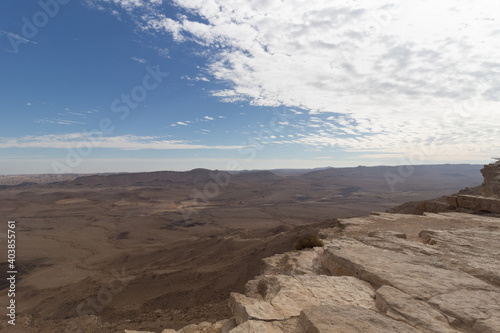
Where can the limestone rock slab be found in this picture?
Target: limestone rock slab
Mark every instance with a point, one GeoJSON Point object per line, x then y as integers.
{"type": "Point", "coordinates": [288, 295]}
{"type": "Point", "coordinates": [474, 308]}
{"type": "Point", "coordinates": [349, 319]}
{"type": "Point", "coordinates": [400, 306]}
{"type": "Point", "coordinates": [475, 203]}
{"type": "Point", "coordinates": [416, 274]}
{"type": "Point", "coordinates": [474, 250]}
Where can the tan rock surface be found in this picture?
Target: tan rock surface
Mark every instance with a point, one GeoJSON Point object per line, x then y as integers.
{"type": "Point", "coordinates": [488, 201]}
{"type": "Point", "coordinates": [475, 203]}
{"type": "Point", "coordinates": [402, 307]}
{"type": "Point", "coordinates": [305, 262]}
{"type": "Point", "coordinates": [349, 319]}
{"type": "Point", "coordinates": [471, 307]}
{"type": "Point", "coordinates": [247, 308]}
{"type": "Point", "coordinates": [253, 326]}
{"type": "Point", "coordinates": [418, 275]}
{"type": "Point", "coordinates": [432, 273]}
{"type": "Point", "coordinates": [491, 184]}
{"type": "Point", "coordinates": [288, 295]}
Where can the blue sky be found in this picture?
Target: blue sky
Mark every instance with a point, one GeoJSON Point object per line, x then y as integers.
{"type": "Point", "coordinates": [136, 85]}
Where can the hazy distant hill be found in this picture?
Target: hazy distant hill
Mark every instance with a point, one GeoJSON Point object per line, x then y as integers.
{"type": "Point", "coordinates": [39, 179]}
{"type": "Point", "coordinates": [417, 177]}
{"type": "Point", "coordinates": [147, 178]}
{"type": "Point", "coordinates": [257, 176]}
{"type": "Point", "coordinates": [378, 178]}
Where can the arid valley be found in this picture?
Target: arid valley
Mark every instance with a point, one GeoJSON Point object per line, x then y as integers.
{"type": "Point", "coordinates": [148, 251]}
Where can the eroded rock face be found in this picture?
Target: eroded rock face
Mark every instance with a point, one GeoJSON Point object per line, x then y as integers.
{"type": "Point", "coordinates": [305, 262]}
{"type": "Point", "coordinates": [491, 185]}
{"type": "Point", "coordinates": [369, 278]}
{"type": "Point", "coordinates": [475, 203]}
{"type": "Point", "coordinates": [488, 201]}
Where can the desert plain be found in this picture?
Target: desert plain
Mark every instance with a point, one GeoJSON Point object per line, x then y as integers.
{"type": "Point", "coordinates": [148, 251]}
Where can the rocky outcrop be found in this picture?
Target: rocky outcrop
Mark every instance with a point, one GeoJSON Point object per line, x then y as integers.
{"type": "Point", "coordinates": [475, 203]}
{"type": "Point", "coordinates": [380, 273]}
{"type": "Point", "coordinates": [488, 201]}
{"type": "Point", "coordinates": [491, 184]}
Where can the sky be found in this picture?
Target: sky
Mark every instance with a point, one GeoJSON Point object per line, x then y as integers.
{"type": "Point", "coordinates": [143, 85]}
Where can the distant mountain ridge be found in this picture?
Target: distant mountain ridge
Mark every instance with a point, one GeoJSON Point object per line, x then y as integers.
{"type": "Point", "coordinates": [361, 176]}
{"type": "Point", "coordinates": [147, 178]}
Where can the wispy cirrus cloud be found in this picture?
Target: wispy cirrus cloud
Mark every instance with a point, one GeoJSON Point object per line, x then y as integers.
{"type": "Point", "coordinates": [68, 117]}
{"type": "Point", "coordinates": [98, 140]}
{"type": "Point", "coordinates": [14, 38]}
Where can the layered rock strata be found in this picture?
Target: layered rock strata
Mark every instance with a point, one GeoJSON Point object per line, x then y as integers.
{"type": "Point", "coordinates": [491, 184]}
{"type": "Point", "coordinates": [489, 201]}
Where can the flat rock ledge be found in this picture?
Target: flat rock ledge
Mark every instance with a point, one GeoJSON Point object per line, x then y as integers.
{"type": "Point", "coordinates": [370, 279]}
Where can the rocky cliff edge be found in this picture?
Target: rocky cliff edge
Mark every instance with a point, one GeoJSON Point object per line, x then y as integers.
{"type": "Point", "coordinates": [381, 273]}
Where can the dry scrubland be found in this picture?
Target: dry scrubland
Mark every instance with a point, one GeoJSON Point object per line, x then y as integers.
{"type": "Point", "coordinates": [81, 238]}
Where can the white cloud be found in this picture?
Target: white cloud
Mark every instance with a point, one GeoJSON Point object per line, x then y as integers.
{"type": "Point", "coordinates": [181, 123]}
{"type": "Point", "coordinates": [197, 78]}
{"type": "Point", "coordinates": [97, 140]}
{"type": "Point", "coordinates": [208, 118]}
{"type": "Point", "coordinates": [28, 104]}
{"type": "Point", "coordinates": [163, 51]}
{"type": "Point", "coordinates": [139, 60]}
{"type": "Point", "coordinates": [404, 74]}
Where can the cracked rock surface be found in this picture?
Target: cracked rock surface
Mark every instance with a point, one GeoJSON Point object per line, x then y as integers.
{"type": "Point", "coordinates": [381, 273]}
